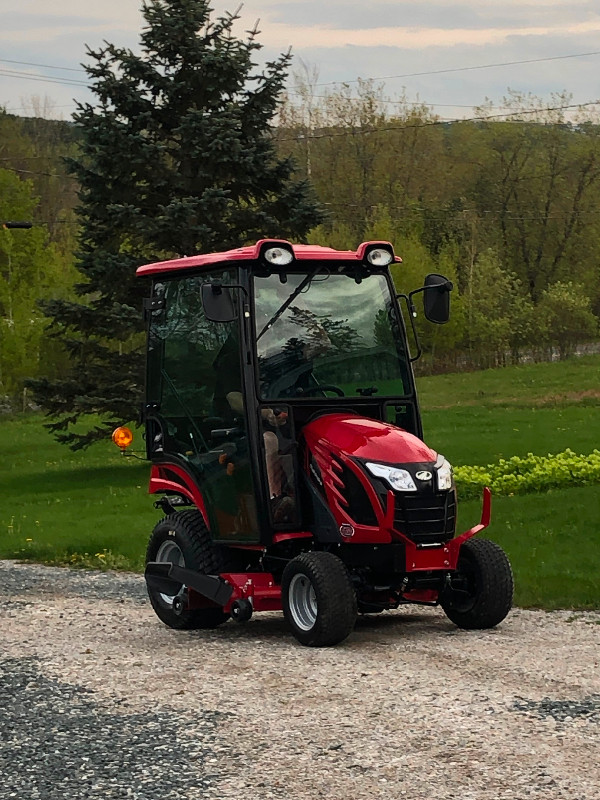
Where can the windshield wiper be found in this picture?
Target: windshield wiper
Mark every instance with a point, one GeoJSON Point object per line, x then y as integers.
{"type": "Point", "coordinates": [287, 302]}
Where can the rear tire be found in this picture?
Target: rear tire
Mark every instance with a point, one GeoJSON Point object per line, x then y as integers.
{"type": "Point", "coordinates": [319, 601]}
{"type": "Point", "coordinates": [182, 538]}
{"type": "Point", "coordinates": [482, 591]}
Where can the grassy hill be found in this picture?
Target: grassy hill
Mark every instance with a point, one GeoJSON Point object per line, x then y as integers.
{"type": "Point", "coordinates": [479, 417]}
{"type": "Point", "coordinates": [92, 508]}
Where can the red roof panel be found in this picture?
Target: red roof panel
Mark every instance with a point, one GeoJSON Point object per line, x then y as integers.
{"type": "Point", "coordinates": [302, 252]}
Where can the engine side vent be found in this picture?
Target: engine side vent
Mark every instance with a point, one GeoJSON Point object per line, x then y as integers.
{"type": "Point", "coordinates": [357, 500]}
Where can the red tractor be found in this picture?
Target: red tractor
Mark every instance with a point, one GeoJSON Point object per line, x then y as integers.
{"type": "Point", "coordinates": [284, 432]}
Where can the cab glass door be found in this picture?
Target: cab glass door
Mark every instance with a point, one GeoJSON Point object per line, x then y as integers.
{"type": "Point", "coordinates": [195, 403]}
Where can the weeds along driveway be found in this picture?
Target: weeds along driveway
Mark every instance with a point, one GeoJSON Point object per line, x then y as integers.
{"type": "Point", "coordinates": [99, 699]}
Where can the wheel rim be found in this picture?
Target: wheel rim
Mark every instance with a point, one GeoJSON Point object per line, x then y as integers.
{"type": "Point", "coordinates": [302, 602]}
{"type": "Point", "coordinates": [170, 553]}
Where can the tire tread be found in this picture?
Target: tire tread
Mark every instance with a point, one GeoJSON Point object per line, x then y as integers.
{"type": "Point", "coordinates": [495, 596]}
{"type": "Point", "coordinates": [337, 606]}
{"type": "Point", "coordinates": [199, 555]}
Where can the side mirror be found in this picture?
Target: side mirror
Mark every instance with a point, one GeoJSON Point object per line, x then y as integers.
{"type": "Point", "coordinates": [436, 298]}
{"type": "Point", "coordinates": [217, 303]}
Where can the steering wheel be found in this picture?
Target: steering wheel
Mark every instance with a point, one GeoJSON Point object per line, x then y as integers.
{"type": "Point", "coordinates": [323, 387]}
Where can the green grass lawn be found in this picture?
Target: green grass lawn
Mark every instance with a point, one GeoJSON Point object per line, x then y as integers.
{"type": "Point", "coordinates": [92, 507]}
{"type": "Point", "coordinates": [479, 417]}
{"type": "Point", "coordinates": [576, 381]}
{"type": "Point", "coordinates": [553, 542]}
{"type": "Point", "coordinates": [480, 435]}
{"type": "Point", "coordinates": [56, 503]}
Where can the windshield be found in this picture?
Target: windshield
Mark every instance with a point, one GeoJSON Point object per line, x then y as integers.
{"type": "Point", "coordinates": [325, 335]}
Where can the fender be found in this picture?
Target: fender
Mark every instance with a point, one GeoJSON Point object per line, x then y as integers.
{"type": "Point", "coordinates": [171, 477]}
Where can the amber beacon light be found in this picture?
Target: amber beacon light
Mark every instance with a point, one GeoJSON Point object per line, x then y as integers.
{"type": "Point", "coordinates": [122, 437]}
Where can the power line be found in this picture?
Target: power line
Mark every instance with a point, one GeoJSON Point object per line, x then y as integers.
{"type": "Point", "coordinates": [412, 103]}
{"type": "Point", "coordinates": [23, 158]}
{"type": "Point", "coordinates": [397, 102]}
{"type": "Point", "coordinates": [45, 174]}
{"type": "Point", "coordinates": [9, 73]}
{"type": "Point", "coordinates": [10, 109]}
{"type": "Point", "coordinates": [441, 213]}
{"type": "Point", "coordinates": [432, 123]}
{"type": "Point", "coordinates": [44, 66]}
{"type": "Point", "coordinates": [465, 69]}
{"type": "Point", "coordinates": [325, 83]}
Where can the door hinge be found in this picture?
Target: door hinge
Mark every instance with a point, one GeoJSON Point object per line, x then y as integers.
{"type": "Point", "coordinates": [153, 304]}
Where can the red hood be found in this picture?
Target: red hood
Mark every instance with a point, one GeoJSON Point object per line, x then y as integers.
{"type": "Point", "coordinates": [367, 438]}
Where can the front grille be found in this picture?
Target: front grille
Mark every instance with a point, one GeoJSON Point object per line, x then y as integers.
{"type": "Point", "coordinates": [426, 517]}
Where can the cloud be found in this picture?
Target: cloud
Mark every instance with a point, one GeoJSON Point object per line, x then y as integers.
{"type": "Point", "coordinates": [448, 91]}
{"type": "Point", "coordinates": [40, 21]}
{"type": "Point", "coordinates": [408, 37]}
{"type": "Point", "coordinates": [120, 14]}
{"type": "Point", "coordinates": [344, 39]}
{"type": "Point", "coordinates": [438, 14]}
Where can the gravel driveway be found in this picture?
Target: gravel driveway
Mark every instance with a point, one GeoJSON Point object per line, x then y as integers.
{"type": "Point", "coordinates": [99, 699]}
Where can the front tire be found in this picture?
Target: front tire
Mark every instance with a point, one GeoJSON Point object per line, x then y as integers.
{"type": "Point", "coordinates": [481, 593]}
{"type": "Point", "coordinates": [182, 538]}
{"type": "Point", "coordinates": [319, 601]}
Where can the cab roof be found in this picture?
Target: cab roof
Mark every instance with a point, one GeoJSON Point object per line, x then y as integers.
{"type": "Point", "coordinates": [302, 252]}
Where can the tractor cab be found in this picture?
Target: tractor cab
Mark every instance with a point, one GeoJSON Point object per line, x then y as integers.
{"type": "Point", "coordinates": [282, 424]}
{"type": "Point", "coordinates": [244, 353]}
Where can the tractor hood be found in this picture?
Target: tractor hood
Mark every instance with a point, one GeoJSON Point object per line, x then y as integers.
{"type": "Point", "coordinates": [365, 438]}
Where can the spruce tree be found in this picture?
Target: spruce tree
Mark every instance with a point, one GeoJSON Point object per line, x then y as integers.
{"type": "Point", "coordinates": [177, 157]}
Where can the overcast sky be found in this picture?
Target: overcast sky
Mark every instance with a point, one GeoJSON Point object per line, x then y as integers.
{"type": "Point", "coordinates": [343, 39]}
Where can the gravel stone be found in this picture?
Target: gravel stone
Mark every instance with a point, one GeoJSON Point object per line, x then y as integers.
{"type": "Point", "coordinates": [40, 581]}
{"type": "Point", "coordinates": [99, 699]}
{"type": "Point", "coordinates": [562, 710]}
{"type": "Point", "coordinates": [68, 745]}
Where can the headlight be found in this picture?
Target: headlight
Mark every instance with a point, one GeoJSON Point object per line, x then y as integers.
{"type": "Point", "coordinates": [379, 257]}
{"type": "Point", "coordinates": [444, 474]}
{"type": "Point", "coordinates": [398, 479]}
{"type": "Point", "coordinates": [280, 256]}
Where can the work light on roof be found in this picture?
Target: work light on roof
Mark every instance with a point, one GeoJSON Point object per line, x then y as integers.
{"type": "Point", "coordinates": [379, 257]}
{"type": "Point", "coordinates": [278, 256]}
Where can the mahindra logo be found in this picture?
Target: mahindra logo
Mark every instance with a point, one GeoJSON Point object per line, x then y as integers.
{"type": "Point", "coordinates": [423, 475]}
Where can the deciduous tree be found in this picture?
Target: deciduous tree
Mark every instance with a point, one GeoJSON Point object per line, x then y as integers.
{"type": "Point", "coordinates": [30, 268]}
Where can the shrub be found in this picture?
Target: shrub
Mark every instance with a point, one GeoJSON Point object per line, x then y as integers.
{"type": "Point", "coordinates": [531, 473]}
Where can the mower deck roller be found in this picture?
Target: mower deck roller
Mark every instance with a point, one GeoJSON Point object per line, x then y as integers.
{"type": "Point", "coordinates": [285, 438]}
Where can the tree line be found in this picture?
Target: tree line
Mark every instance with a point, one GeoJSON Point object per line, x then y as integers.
{"type": "Point", "coordinates": [506, 204]}
{"type": "Point", "coordinates": [35, 264]}
{"type": "Point", "coordinates": [190, 147]}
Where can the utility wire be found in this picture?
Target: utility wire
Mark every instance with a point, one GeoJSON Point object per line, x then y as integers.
{"type": "Point", "coordinates": [409, 208]}
{"type": "Point", "coordinates": [438, 215]}
{"type": "Point", "coordinates": [24, 158]}
{"type": "Point", "coordinates": [464, 69]}
{"type": "Point", "coordinates": [11, 109]}
{"type": "Point", "coordinates": [417, 103]}
{"type": "Point", "coordinates": [413, 103]}
{"type": "Point", "coordinates": [45, 174]}
{"type": "Point", "coordinates": [441, 214]}
{"type": "Point", "coordinates": [383, 78]}
{"type": "Point", "coordinates": [432, 123]}
{"type": "Point", "coordinates": [44, 66]}
{"type": "Point", "coordinates": [9, 73]}
{"type": "Point", "coordinates": [75, 82]}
